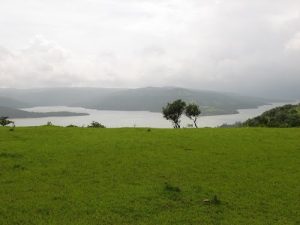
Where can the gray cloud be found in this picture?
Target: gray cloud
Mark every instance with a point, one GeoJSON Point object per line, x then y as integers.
{"type": "Point", "coordinates": [250, 46]}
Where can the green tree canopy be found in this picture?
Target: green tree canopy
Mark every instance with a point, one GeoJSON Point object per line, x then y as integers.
{"type": "Point", "coordinates": [192, 111]}
{"type": "Point", "coordinates": [284, 116]}
{"type": "Point", "coordinates": [4, 121]}
{"type": "Point", "coordinates": [173, 112]}
{"type": "Point", "coordinates": [95, 124]}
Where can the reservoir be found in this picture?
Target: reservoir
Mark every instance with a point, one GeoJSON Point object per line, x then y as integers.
{"type": "Point", "coordinates": [115, 119]}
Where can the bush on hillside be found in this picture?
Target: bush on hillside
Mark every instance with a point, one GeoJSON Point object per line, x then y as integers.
{"type": "Point", "coordinates": [71, 125]}
{"type": "Point", "coordinates": [95, 124]}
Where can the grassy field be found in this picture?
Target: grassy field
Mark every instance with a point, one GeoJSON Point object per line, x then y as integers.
{"type": "Point", "coordinates": [51, 175]}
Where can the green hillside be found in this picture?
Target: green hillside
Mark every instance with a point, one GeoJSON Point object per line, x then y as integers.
{"type": "Point", "coordinates": [284, 116]}
{"type": "Point", "coordinates": [73, 176]}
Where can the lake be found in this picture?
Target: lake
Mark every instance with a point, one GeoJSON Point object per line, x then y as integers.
{"type": "Point", "coordinates": [134, 118]}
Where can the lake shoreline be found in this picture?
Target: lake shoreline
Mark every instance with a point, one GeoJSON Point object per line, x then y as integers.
{"type": "Point", "coordinates": [116, 119]}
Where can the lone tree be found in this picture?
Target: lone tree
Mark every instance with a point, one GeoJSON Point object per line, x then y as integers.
{"type": "Point", "coordinates": [4, 121]}
{"type": "Point", "coordinates": [192, 111]}
{"type": "Point", "coordinates": [173, 112]}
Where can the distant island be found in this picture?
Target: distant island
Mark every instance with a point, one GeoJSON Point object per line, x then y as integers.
{"type": "Point", "coordinates": [18, 113]}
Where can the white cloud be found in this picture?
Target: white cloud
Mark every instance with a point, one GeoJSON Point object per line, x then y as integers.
{"type": "Point", "coordinates": [45, 63]}
{"type": "Point", "coordinates": [294, 43]}
{"type": "Point", "coordinates": [223, 45]}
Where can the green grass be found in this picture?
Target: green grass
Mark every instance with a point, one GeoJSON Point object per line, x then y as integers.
{"type": "Point", "coordinates": [51, 175]}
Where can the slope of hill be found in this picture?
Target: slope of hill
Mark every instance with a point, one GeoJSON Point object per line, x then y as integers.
{"type": "Point", "coordinates": [12, 103]}
{"type": "Point", "coordinates": [141, 99]}
{"type": "Point", "coordinates": [17, 113]}
{"type": "Point", "coordinates": [153, 99]}
{"type": "Point", "coordinates": [81, 176]}
{"type": "Point", "coordinates": [285, 116]}
{"type": "Point", "coordinates": [56, 96]}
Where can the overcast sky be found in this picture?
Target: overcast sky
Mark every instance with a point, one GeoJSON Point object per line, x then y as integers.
{"type": "Point", "coordinates": [245, 46]}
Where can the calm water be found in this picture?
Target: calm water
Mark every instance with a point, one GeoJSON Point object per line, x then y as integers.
{"type": "Point", "coordinates": [134, 118]}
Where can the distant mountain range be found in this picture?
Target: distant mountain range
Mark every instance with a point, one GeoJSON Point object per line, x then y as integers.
{"type": "Point", "coordinates": [140, 99]}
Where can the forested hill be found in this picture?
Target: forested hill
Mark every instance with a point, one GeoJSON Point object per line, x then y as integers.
{"type": "Point", "coordinates": [284, 116]}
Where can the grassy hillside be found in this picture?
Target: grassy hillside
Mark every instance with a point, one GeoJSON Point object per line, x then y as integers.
{"type": "Point", "coordinates": [75, 176]}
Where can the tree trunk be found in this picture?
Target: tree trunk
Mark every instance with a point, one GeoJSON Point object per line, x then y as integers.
{"type": "Point", "coordinates": [195, 122]}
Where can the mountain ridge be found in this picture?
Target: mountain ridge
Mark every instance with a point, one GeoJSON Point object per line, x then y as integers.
{"type": "Point", "coordinates": [137, 99]}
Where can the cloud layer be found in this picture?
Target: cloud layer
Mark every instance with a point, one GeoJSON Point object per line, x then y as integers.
{"type": "Point", "coordinates": [250, 46]}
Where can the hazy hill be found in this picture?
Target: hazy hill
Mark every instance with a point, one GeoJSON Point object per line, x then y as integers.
{"type": "Point", "coordinates": [284, 116]}
{"type": "Point", "coordinates": [153, 99]}
{"type": "Point", "coordinates": [56, 96]}
{"type": "Point", "coordinates": [17, 113]}
{"type": "Point", "coordinates": [141, 99]}
{"type": "Point", "coordinates": [13, 103]}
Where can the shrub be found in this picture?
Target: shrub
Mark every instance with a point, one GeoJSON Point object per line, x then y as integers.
{"type": "Point", "coordinates": [49, 123]}
{"type": "Point", "coordinates": [71, 125]}
{"type": "Point", "coordinates": [95, 124]}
